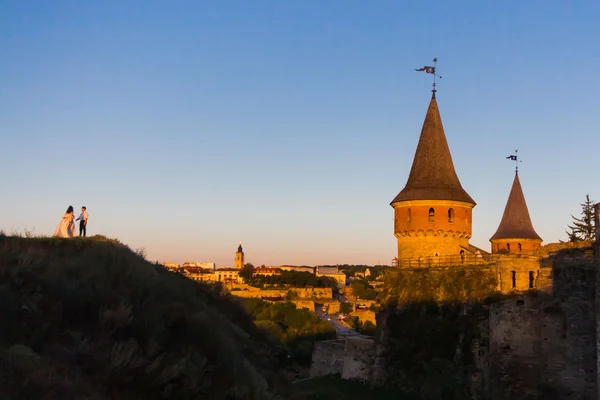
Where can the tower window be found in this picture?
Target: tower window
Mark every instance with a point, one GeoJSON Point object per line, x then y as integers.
{"type": "Point", "coordinates": [508, 247]}
{"type": "Point", "coordinates": [431, 215]}
{"type": "Point", "coordinates": [409, 215]}
{"type": "Point", "coordinates": [519, 245]}
{"type": "Point", "coordinates": [531, 279]}
{"type": "Point", "coordinates": [514, 279]}
{"type": "Point", "coordinates": [451, 215]}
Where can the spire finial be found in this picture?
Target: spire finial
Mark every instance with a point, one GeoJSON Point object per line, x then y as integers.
{"type": "Point", "coordinates": [431, 70]}
{"type": "Point", "coordinates": [515, 158]}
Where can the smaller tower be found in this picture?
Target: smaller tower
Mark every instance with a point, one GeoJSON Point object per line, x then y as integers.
{"type": "Point", "coordinates": [239, 257]}
{"type": "Point", "coordinates": [515, 233]}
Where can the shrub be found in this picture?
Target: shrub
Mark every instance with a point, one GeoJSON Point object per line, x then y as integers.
{"type": "Point", "coordinates": [90, 319]}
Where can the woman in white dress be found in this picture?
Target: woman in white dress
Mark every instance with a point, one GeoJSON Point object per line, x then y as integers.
{"type": "Point", "coordinates": [66, 227]}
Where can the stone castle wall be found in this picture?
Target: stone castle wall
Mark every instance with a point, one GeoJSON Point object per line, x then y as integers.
{"type": "Point", "coordinates": [534, 344]}
{"type": "Point", "coordinates": [542, 344]}
{"type": "Point", "coordinates": [327, 358]}
{"type": "Point", "coordinates": [351, 358]}
{"type": "Point", "coordinates": [521, 273]}
{"type": "Point", "coordinates": [359, 356]}
{"type": "Point", "coordinates": [303, 293]}
{"type": "Point", "coordinates": [426, 244]}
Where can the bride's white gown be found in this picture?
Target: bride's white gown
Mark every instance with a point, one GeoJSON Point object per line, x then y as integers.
{"type": "Point", "coordinates": [66, 228]}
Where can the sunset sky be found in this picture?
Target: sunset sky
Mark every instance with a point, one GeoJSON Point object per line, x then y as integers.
{"type": "Point", "coordinates": [186, 127]}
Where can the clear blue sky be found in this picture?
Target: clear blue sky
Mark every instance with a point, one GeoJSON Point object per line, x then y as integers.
{"type": "Point", "coordinates": [186, 127]}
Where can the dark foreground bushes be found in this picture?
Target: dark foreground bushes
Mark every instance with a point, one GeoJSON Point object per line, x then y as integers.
{"type": "Point", "coordinates": [90, 319]}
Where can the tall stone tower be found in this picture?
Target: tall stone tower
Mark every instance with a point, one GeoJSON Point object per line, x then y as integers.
{"type": "Point", "coordinates": [239, 257]}
{"type": "Point", "coordinates": [515, 233]}
{"type": "Point", "coordinates": [432, 214]}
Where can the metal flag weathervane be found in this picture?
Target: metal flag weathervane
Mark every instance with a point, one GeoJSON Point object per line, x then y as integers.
{"type": "Point", "coordinates": [515, 158]}
{"type": "Point", "coordinates": [431, 70]}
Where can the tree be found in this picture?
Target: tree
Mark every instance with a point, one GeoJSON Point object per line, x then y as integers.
{"type": "Point", "coordinates": [359, 286]}
{"type": "Point", "coordinates": [583, 228]}
{"type": "Point", "coordinates": [361, 289]}
{"type": "Point", "coordinates": [246, 272]}
{"type": "Point", "coordinates": [573, 236]}
{"type": "Point", "coordinates": [346, 308]}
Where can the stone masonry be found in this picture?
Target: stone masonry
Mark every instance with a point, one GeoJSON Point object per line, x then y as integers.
{"type": "Point", "coordinates": [351, 358]}
{"type": "Point", "coordinates": [542, 342]}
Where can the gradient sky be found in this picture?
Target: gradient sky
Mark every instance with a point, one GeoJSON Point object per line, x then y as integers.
{"type": "Point", "coordinates": [187, 126]}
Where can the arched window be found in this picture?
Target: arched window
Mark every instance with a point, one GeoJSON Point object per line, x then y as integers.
{"type": "Point", "coordinates": [450, 215]}
{"type": "Point", "coordinates": [431, 215]}
{"type": "Point", "coordinates": [519, 247]}
{"type": "Point", "coordinates": [409, 215]}
{"type": "Point", "coordinates": [508, 247]}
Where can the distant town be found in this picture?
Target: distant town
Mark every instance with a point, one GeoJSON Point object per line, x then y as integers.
{"type": "Point", "coordinates": [344, 295]}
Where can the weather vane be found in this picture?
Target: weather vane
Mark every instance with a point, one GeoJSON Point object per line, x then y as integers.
{"type": "Point", "coordinates": [515, 158]}
{"type": "Point", "coordinates": [431, 70]}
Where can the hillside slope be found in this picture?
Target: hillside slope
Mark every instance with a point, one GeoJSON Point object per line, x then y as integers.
{"type": "Point", "coordinates": [90, 319]}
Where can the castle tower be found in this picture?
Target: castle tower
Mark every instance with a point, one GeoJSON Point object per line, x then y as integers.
{"type": "Point", "coordinates": [432, 214]}
{"type": "Point", "coordinates": [239, 257]}
{"type": "Point", "coordinates": [515, 233]}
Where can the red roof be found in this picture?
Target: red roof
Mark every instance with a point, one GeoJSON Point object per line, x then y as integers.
{"type": "Point", "coordinates": [267, 270]}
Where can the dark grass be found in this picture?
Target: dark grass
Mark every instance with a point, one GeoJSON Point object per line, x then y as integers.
{"type": "Point", "coordinates": [88, 318]}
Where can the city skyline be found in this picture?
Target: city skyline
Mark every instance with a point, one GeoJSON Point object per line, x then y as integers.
{"type": "Point", "coordinates": [186, 128]}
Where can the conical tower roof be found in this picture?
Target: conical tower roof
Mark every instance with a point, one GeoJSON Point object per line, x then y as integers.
{"type": "Point", "coordinates": [516, 223]}
{"type": "Point", "coordinates": [432, 176]}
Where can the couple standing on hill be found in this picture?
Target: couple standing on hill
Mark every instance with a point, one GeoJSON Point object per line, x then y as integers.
{"type": "Point", "coordinates": [66, 227]}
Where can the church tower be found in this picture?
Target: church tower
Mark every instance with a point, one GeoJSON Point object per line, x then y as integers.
{"type": "Point", "coordinates": [515, 233]}
{"type": "Point", "coordinates": [239, 257]}
{"type": "Point", "coordinates": [432, 214]}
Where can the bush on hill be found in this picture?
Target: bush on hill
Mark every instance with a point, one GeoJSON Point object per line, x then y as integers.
{"type": "Point", "coordinates": [90, 319]}
{"type": "Point", "coordinates": [293, 278]}
{"type": "Point", "coordinates": [362, 290]}
{"type": "Point", "coordinates": [297, 329]}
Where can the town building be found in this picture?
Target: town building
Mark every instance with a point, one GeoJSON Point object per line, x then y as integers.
{"type": "Point", "coordinates": [332, 272]}
{"type": "Point", "coordinates": [225, 275]}
{"type": "Point", "coordinates": [204, 265]}
{"type": "Point", "coordinates": [363, 274]}
{"type": "Point", "coordinates": [170, 266]}
{"type": "Point", "coordinates": [298, 268]}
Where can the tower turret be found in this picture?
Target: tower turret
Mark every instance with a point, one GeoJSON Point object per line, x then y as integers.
{"type": "Point", "coordinates": [239, 257]}
{"type": "Point", "coordinates": [432, 213]}
{"type": "Point", "coordinates": [515, 233]}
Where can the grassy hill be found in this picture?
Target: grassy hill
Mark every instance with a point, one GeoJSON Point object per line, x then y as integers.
{"type": "Point", "coordinates": [91, 319]}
